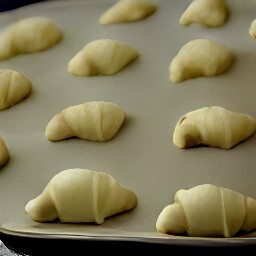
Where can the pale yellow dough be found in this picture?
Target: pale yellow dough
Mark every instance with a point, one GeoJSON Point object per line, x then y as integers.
{"type": "Point", "coordinates": [213, 126]}
{"type": "Point", "coordinates": [29, 35]}
{"type": "Point", "coordinates": [252, 29]}
{"type": "Point", "coordinates": [200, 57]}
{"type": "Point", "coordinates": [128, 11]}
{"type": "Point", "coordinates": [94, 121]}
{"type": "Point", "coordinates": [211, 13]}
{"type": "Point", "coordinates": [81, 195]}
{"type": "Point", "coordinates": [102, 57]}
{"type": "Point", "coordinates": [208, 210]}
{"type": "Point", "coordinates": [4, 153]}
{"type": "Point", "coordinates": [14, 87]}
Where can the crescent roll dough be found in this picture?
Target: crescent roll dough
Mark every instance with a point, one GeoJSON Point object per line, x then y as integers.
{"type": "Point", "coordinates": [252, 29]}
{"type": "Point", "coordinates": [128, 11]}
{"type": "Point", "coordinates": [208, 210]}
{"type": "Point", "coordinates": [102, 57]}
{"type": "Point", "coordinates": [81, 195]}
{"type": "Point", "coordinates": [213, 126]}
{"type": "Point", "coordinates": [211, 13]}
{"type": "Point", "coordinates": [94, 120]}
{"type": "Point", "coordinates": [200, 57]}
{"type": "Point", "coordinates": [14, 87]}
{"type": "Point", "coordinates": [4, 153]}
{"type": "Point", "coordinates": [29, 35]}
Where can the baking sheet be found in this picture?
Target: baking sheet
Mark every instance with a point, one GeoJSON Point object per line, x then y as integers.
{"type": "Point", "coordinates": [142, 155]}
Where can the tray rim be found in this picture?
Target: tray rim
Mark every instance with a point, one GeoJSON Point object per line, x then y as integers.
{"type": "Point", "coordinates": [185, 241]}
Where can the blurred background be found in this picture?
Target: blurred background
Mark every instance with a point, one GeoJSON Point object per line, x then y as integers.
{"type": "Point", "coordinates": [6, 5]}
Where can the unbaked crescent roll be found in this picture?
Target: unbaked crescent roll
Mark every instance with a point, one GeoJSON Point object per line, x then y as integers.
{"type": "Point", "coordinates": [252, 29]}
{"type": "Point", "coordinates": [94, 120]}
{"type": "Point", "coordinates": [213, 126]}
{"type": "Point", "coordinates": [102, 57]}
{"type": "Point", "coordinates": [208, 210]}
{"type": "Point", "coordinates": [29, 35]}
{"type": "Point", "coordinates": [14, 87]}
{"type": "Point", "coordinates": [4, 153]}
{"type": "Point", "coordinates": [211, 13]}
{"type": "Point", "coordinates": [128, 11]}
{"type": "Point", "coordinates": [200, 58]}
{"type": "Point", "coordinates": [81, 195]}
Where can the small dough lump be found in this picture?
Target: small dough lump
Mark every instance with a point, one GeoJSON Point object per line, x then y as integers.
{"type": "Point", "coordinates": [14, 87]}
{"type": "Point", "coordinates": [93, 120]}
{"type": "Point", "coordinates": [200, 57]}
{"type": "Point", "coordinates": [102, 57]}
{"type": "Point", "coordinates": [81, 195]}
{"type": "Point", "coordinates": [128, 11]}
{"type": "Point", "coordinates": [211, 13]}
{"type": "Point", "coordinates": [29, 35]}
{"type": "Point", "coordinates": [4, 153]}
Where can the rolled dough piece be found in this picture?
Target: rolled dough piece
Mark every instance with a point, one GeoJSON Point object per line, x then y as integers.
{"type": "Point", "coordinates": [208, 210]}
{"type": "Point", "coordinates": [213, 126]}
{"type": "Point", "coordinates": [128, 11]}
{"type": "Point", "coordinates": [81, 195]}
{"type": "Point", "coordinates": [211, 13]}
{"type": "Point", "coordinates": [29, 35]}
{"type": "Point", "coordinates": [200, 57]}
{"type": "Point", "coordinates": [102, 57]}
{"type": "Point", "coordinates": [252, 29]}
{"type": "Point", "coordinates": [14, 87]}
{"type": "Point", "coordinates": [4, 153]}
{"type": "Point", "coordinates": [94, 121]}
